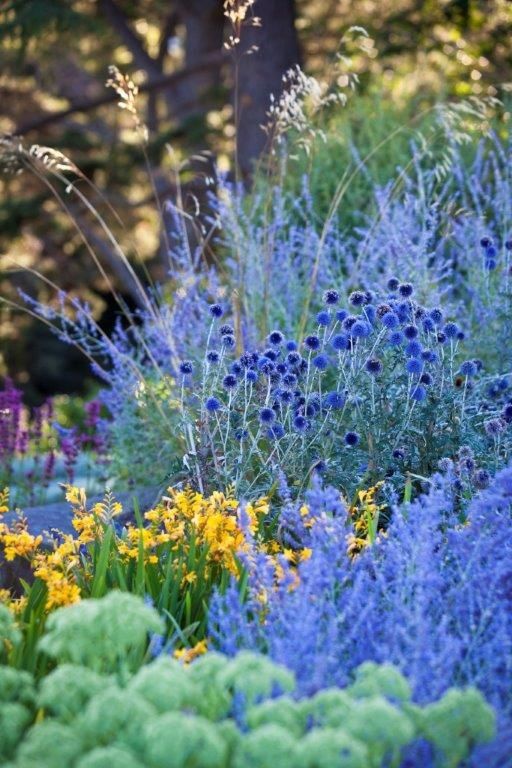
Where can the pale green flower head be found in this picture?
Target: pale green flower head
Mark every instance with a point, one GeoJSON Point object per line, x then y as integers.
{"type": "Point", "coordinates": [14, 719]}
{"type": "Point", "coordinates": [166, 684]}
{"type": "Point", "coordinates": [390, 730]}
{"type": "Point", "coordinates": [65, 692]}
{"type": "Point", "coordinates": [49, 745]}
{"type": "Point", "coordinates": [109, 757]}
{"type": "Point", "coordinates": [380, 680]}
{"type": "Point", "coordinates": [114, 715]}
{"type": "Point", "coordinates": [215, 698]}
{"type": "Point", "coordinates": [177, 740]}
{"type": "Point", "coordinates": [16, 686]}
{"type": "Point", "coordinates": [327, 708]}
{"type": "Point", "coordinates": [9, 632]}
{"type": "Point", "coordinates": [282, 711]}
{"type": "Point", "coordinates": [333, 748]}
{"type": "Point", "coordinates": [256, 677]}
{"type": "Point", "coordinates": [267, 747]}
{"type": "Point", "coordinates": [99, 633]}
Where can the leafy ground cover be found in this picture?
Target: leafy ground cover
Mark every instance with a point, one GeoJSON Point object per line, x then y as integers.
{"type": "Point", "coordinates": [328, 400]}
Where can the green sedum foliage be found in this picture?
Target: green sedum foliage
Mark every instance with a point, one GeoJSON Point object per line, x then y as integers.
{"type": "Point", "coordinates": [107, 705]}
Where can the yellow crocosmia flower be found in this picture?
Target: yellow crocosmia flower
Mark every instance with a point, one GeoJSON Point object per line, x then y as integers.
{"type": "Point", "coordinates": [153, 559]}
{"type": "Point", "coordinates": [61, 592]}
{"type": "Point", "coordinates": [5, 596]}
{"type": "Point", "coordinates": [189, 654]}
{"type": "Point", "coordinates": [305, 554]}
{"type": "Point", "coordinates": [190, 578]}
{"type": "Point", "coordinates": [4, 501]}
{"type": "Point", "coordinates": [20, 544]}
{"type": "Point", "coordinates": [76, 496]}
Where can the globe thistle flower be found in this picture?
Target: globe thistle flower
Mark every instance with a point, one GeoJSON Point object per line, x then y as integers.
{"type": "Point", "coordinates": [251, 376]}
{"type": "Point", "coordinates": [393, 284]}
{"type": "Point", "coordinates": [186, 368]}
{"type": "Point", "coordinates": [241, 434]}
{"type": "Point", "coordinates": [341, 315]}
{"type": "Point", "coordinates": [410, 332]}
{"type": "Point", "coordinates": [339, 342]}
{"type": "Point", "coordinates": [300, 423]}
{"type": "Point", "coordinates": [508, 245]}
{"type": "Point", "coordinates": [236, 368]}
{"type": "Point", "coordinates": [405, 290]}
{"type": "Point", "coordinates": [451, 330]}
{"type": "Point", "coordinates": [312, 342]}
{"type": "Point", "coordinates": [506, 413]}
{"type": "Point", "coordinates": [461, 335]}
{"type": "Point", "coordinates": [349, 322]}
{"type": "Point", "coordinates": [351, 438]}
{"type": "Point", "coordinates": [429, 356]}
{"type": "Point", "coordinates": [266, 366]}
{"type": "Point", "coordinates": [413, 366]}
{"type": "Point", "coordinates": [485, 242]}
{"type": "Point", "coordinates": [436, 315]}
{"type": "Point", "coordinates": [481, 478]}
{"type": "Point", "coordinates": [361, 329]}
{"type": "Point", "coordinates": [291, 346]}
{"type": "Point", "coordinates": [215, 310]}
{"type": "Point", "coordinates": [289, 380]}
{"type": "Point", "coordinates": [370, 313]}
{"type": "Point", "coordinates": [320, 466]}
{"type": "Point", "coordinates": [445, 465]}
{"type": "Point", "coordinates": [294, 358]}
{"type": "Point", "coordinates": [428, 325]}
{"type": "Point", "coordinates": [323, 318]}
{"type": "Point", "coordinates": [267, 416]}
{"type": "Point", "coordinates": [331, 297]}
{"type": "Point", "coordinates": [396, 338]}
{"type": "Point", "coordinates": [419, 393]}
{"type": "Point", "coordinates": [357, 298]}
{"type": "Point", "coordinates": [389, 320]}
{"type": "Point", "coordinates": [285, 396]}
{"type": "Point", "coordinates": [321, 362]}
{"type": "Point", "coordinates": [494, 427]}
{"type": "Point", "coordinates": [398, 454]}
{"type": "Point", "coordinates": [229, 381]}
{"type": "Point", "coordinates": [212, 404]}
{"type": "Point", "coordinates": [441, 337]}
{"type": "Point", "coordinates": [334, 400]}
{"type": "Point", "coordinates": [413, 349]}
{"type": "Point", "coordinates": [212, 356]}
{"type": "Point", "coordinates": [374, 366]}
{"type": "Point", "coordinates": [228, 341]}
{"type": "Point", "coordinates": [226, 330]}
{"type": "Point", "coordinates": [425, 378]}
{"type": "Point", "coordinates": [282, 368]}
{"type": "Point", "coordinates": [276, 432]}
{"type": "Point", "coordinates": [245, 360]}
{"type": "Point", "coordinates": [276, 338]}
{"type": "Point", "coordinates": [468, 368]}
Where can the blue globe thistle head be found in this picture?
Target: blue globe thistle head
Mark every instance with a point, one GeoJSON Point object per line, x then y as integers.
{"type": "Point", "coordinates": [465, 452]}
{"type": "Point", "coordinates": [406, 290]}
{"type": "Point", "coordinates": [334, 400]}
{"type": "Point", "coordinates": [331, 297]}
{"type": "Point", "coordinates": [212, 356]}
{"type": "Point", "coordinates": [229, 381]}
{"type": "Point", "coordinates": [241, 434]}
{"type": "Point", "coordinates": [226, 330]}
{"type": "Point", "coordinates": [276, 432]}
{"type": "Point", "coordinates": [410, 332]}
{"type": "Point", "coordinates": [275, 337]}
{"type": "Point", "coordinates": [310, 410]}
{"type": "Point", "coordinates": [291, 346]}
{"type": "Point", "coordinates": [339, 342]}
{"type": "Point", "coordinates": [426, 378]}
{"type": "Point", "coordinates": [357, 298]}
{"type": "Point", "coordinates": [212, 405]}
{"type": "Point", "coordinates": [481, 478]}
{"type": "Point", "coordinates": [303, 366]}
{"type": "Point", "coordinates": [267, 416]}
{"type": "Point", "coordinates": [285, 396]}
{"type": "Point", "coordinates": [403, 311]}
{"type": "Point", "coordinates": [451, 330]}
{"type": "Point", "coordinates": [341, 314]}
{"type": "Point", "coordinates": [361, 329]}
{"type": "Point", "coordinates": [503, 383]}
{"type": "Point", "coordinates": [251, 376]}
{"type": "Point", "coordinates": [228, 342]}
{"type": "Point", "coordinates": [370, 313]}
{"type": "Point", "coordinates": [468, 368]}
{"type": "Point", "coordinates": [441, 337]}
{"type": "Point", "coordinates": [186, 367]}
{"type": "Point", "coordinates": [323, 318]}
{"type": "Point", "coordinates": [419, 312]}
{"type": "Point", "coordinates": [236, 368]}
{"type": "Point", "coordinates": [349, 322]}
{"type": "Point", "coordinates": [294, 358]}
{"type": "Point", "coordinates": [396, 338]}
{"type": "Point", "coordinates": [271, 354]}
{"type": "Point", "coordinates": [369, 297]}
{"type": "Point", "coordinates": [494, 427]}
{"type": "Point", "coordinates": [399, 454]}
{"type": "Point", "coordinates": [246, 360]}
{"type": "Point", "coordinates": [491, 252]}
{"type": "Point", "coordinates": [467, 466]}
{"type": "Point", "coordinates": [479, 364]}
{"type": "Point", "coordinates": [275, 377]}
{"type": "Point", "coordinates": [389, 320]}
{"type": "Point", "coordinates": [290, 380]}
{"type": "Point", "coordinates": [413, 348]}
{"type": "Point", "coordinates": [321, 362]}
{"type": "Point", "coordinates": [373, 366]}
{"type": "Point", "coordinates": [429, 356]}
{"type": "Point", "coordinates": [461, 335]}
{"type": "Point", "coordinates": [413, 366]}
{"type": "Point", "coordinates": [351, 438]}
{"type": "Point", "coordinates": [312, 342]}
{"type": "Point", "coordinates": [266, 366]}
{"type": "Point", "coordinates": [300, 423]}
{"type": "Point", "coordinates": [419, 393]}
{"type": "Point", "coordinates": [428, 325]}
{"type": "Point", "coordinates": [300, 400]}
{"type": "Point", "coordinates": [445, 465]}
{"type": "Point", "coordinates": [282, 368]}
{"type": "Point", "coordinates": [485, 241]}
{"type": "Point", "coordinates": [506, 413]}
{"type": "Point", "coordinates": [320, 466]}
{"type": "Point", "coordinates": [436, 315]}
{"type": "Point", "coordinates": [508, 245]}
{"type": "Point", "coordinates": [215, 310]}
{"type": "Point", "coordinates": [393, 284]}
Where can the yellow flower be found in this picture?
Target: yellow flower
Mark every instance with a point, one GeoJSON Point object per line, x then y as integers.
{"type": "Point", "coordinates": [4, 501]}
{"type": "Point", "coordinates": [61, 592]}
{"type": "Point", "coordinates": [76, 496]}
{"type": "Point", "coordinates": [19, 543]}
{"type": "Point", "coordinates": [189, 654]}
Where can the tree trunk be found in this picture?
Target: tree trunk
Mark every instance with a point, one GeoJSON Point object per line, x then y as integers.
{"type": "Point", "coordinates": [260, 74]}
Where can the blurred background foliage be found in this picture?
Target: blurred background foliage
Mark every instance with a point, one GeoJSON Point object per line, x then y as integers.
{"type": "Point", "coordinates": [194, 96]}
